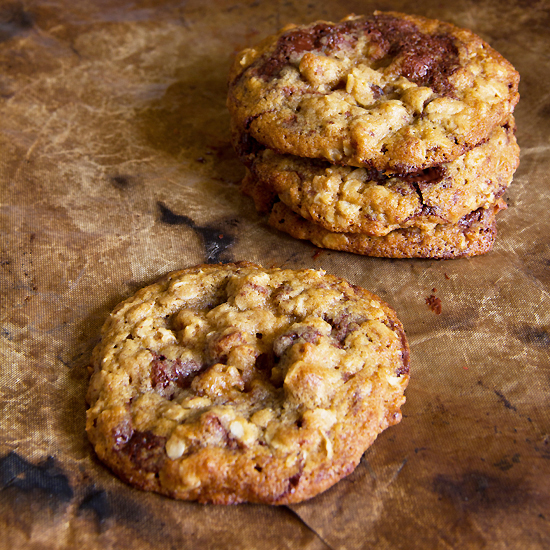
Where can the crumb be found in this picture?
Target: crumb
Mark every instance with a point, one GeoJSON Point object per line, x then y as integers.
{"type": "Point", "coordinates": [434, 304]}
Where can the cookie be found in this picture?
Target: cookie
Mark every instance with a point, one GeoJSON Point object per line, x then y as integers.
{"type": "Point", "coordinates": [390, 91]}
{"type": "Point", "coordinates": [472, 235]}
{"type": "Point", "coordinates": [358, 200]}
{"type": "Point", "coordinates": [233, 383]}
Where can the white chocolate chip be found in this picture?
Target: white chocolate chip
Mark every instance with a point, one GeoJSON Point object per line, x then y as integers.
{"type": "Point", "coordinates": [175, 447]}
{"type": "Point", "coordinates": [236, 429]}
{"type": "Point", "coordinates": [328, 446]}
{"type": "Point", "coordinates": [196, 403]}
{"type": "Point", "coordinates": [395, 380]}
{"type": "Point", "coordinates": [263, 417]}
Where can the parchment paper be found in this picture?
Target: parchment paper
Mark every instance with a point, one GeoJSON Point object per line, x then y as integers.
{"type": "Point", "coordinates": [116, 167]}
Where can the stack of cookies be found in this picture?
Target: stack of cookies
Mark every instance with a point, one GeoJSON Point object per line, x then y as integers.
{"type": "Point", "coordinates": [388, 135]}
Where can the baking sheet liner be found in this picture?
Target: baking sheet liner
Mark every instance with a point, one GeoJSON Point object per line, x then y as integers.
{"type": "Point", "coordinates": [116, 167]}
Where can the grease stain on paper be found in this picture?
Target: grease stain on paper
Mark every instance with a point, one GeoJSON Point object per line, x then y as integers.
{"type": "Point", "coordinates": [14, 20]}
{"type": "Point", "coordinates": [98, 502]}
{"type": "Point", "coordinates": [216, 238]}
{"type": "Point", "coordinates": [534, 336]}
{"type": "Point", "coordinates": [45, 477]}
{"type": "Point", "coordinates": [477, 490]}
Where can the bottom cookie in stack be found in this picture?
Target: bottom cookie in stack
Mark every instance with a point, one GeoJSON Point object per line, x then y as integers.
{"type": "Point", "coordinates": [472, 235]}
{"type": "Point", "coordinates": [444, 212]}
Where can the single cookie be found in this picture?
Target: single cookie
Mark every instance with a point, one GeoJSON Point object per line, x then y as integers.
{"type": "Point", "coordinates": [358, 200]}
{"type": "Point", "coordinates": [233, 383]}
{"type": "Point", "coordinates": [393, 92]}
{"type": "Point", "coordinates": [472, 235]}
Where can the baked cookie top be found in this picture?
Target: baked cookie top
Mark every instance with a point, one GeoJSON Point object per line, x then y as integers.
{"type": "Point", "coordinates": [389, 91]}
{"type": "Point", "coordinates": [231, 383]}
{"type": "Point", "coordinates": [361, 200]}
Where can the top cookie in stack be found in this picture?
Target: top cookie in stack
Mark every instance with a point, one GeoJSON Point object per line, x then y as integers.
{"type": "Point", "coordinates": [388, 135]}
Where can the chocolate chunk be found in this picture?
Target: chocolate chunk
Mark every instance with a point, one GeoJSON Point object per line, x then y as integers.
{"type": "Point", "coordinates": [215, 432]}
{"type": "Point", "coordinates": [146, 450]}
{"type": "Point", "coordinates": [425, 177]}
{"type": "Point", "coordinates": [434, 303]}
{"type": "Point", "coordinates": [425, 59]}
{"type": "Point", "coordinates": [302, 334]}
{"type": "Point", "coordinates": [122, 434]}
{"type": "Point", "coordinates": [470, 218]}
{"type": "Point", "coordinates": [165, 371]}
{"type": "Point", "coordinates": [343, 325]}
{"type": "Point", "coordinates": [319, 37]}
{"type": "Point", "coordinates": [219, 347]}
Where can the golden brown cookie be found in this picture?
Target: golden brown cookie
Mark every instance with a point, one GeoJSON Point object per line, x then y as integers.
{"type": "Point", "coordinates": [389, 91]}
{"type": "Point", "coordinates": [233, 383]}
{"type": "Point", "coordinates": [472, 235]}
{"type": "Point", "coordinates": [346, 199]}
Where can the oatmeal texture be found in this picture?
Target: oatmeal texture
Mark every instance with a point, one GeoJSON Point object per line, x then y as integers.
{"type": "Point", "coordinates": [390, 91]}
{"type": "Point", "coordinates": [346, 199]}
{"type": "Point", "coordinates": [472, 235]}
{"type": "Point", "coordinates": [233, 383]}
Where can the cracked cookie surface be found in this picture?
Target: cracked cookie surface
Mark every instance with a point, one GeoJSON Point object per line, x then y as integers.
{"type": "Point", "coordinates": [234, 383]}
{"type": "Point", "coordinates": [390, 91]}
{"type": "Point", "coordinates": [357, 200]}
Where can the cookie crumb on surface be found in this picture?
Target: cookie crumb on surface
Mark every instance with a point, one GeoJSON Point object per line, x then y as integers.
{"type": "Point", "coordinates": [434, 304]}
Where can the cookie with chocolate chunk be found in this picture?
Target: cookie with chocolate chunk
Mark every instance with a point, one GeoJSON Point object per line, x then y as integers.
{"type": "Point", "coordinates": [345, 199]}
{"type": "Point", "coordinates": [472, 235]}
{"type": "Point", "coordinates": [390, 91]}
{"type": "Point", "coordinates": [234, 383]}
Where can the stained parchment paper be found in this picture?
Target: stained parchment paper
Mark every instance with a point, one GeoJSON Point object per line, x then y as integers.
{"type": "Point", "coordinates": [116, 167]}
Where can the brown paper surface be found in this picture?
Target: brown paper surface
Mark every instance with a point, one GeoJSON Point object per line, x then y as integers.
{"type": "Point", "coordinates": [116, 167]}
